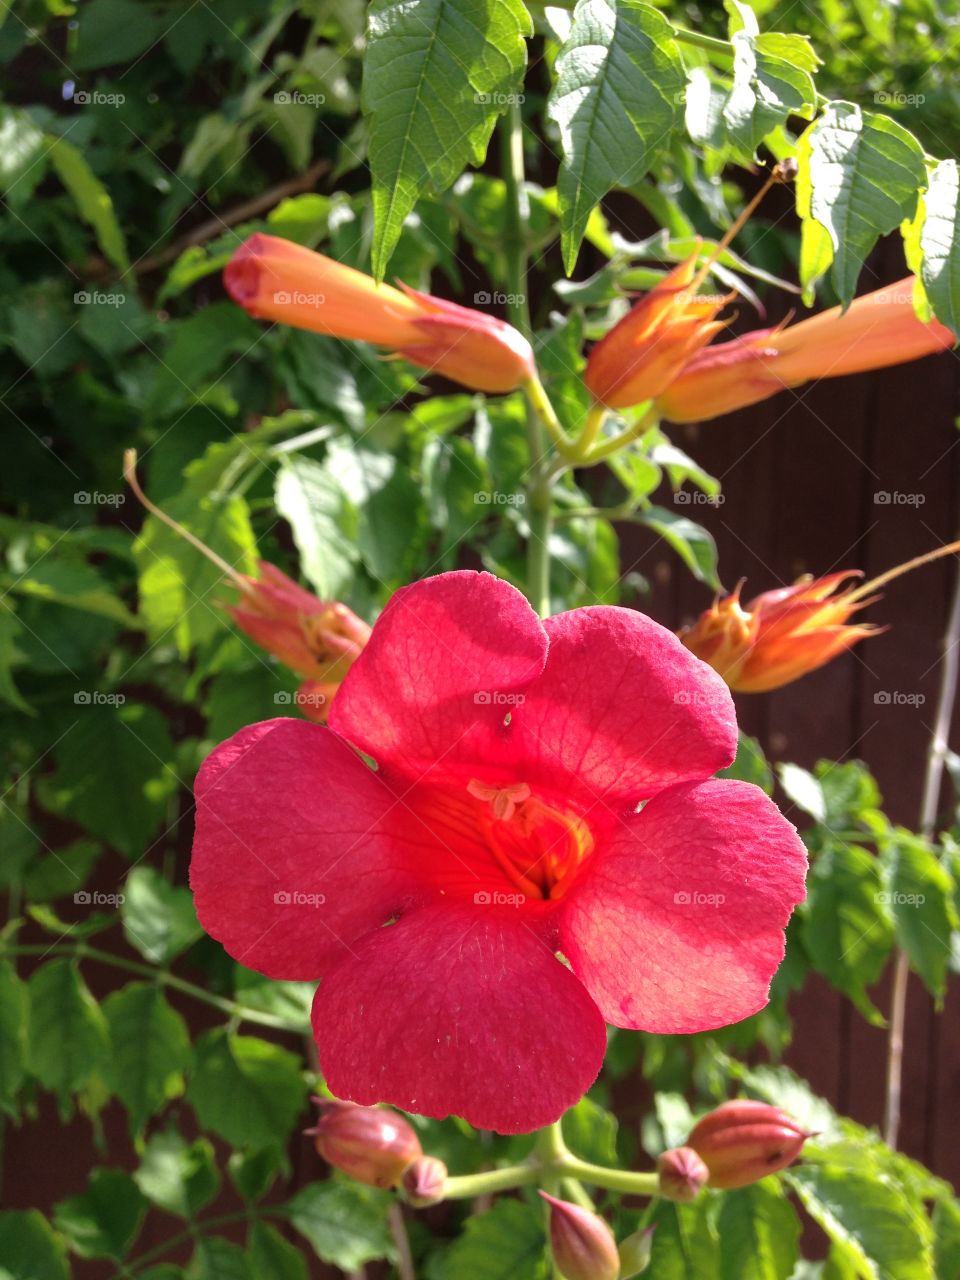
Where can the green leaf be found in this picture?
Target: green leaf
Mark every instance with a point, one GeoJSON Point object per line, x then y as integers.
{"type": "Point", "coordinates": [13, 1033]}
{"type": "Point", "coordinates": [870, 1218]}
{"type": "Point", "coordinates": [68, 1039]}
{"type": "Point", "coordinates": [310, 498]}
{"type": "Point", "coordinates": [92, 200]}
{"type": "Point", "coordinates": [10, 656]}
{"type": "Point", "coordinates": [457, 485]}
{"type": "Point", "coordinates": [921, 898]}
{"type": "Point", "coordinates": [114, 775]}
{"type": "Point", "coordinates": [22, 152]}
{"type": "Point", "coordinates": [692, 543]}
{"type": "Point", "coordinates": [178, 1176]}
{"type": "Point", "coordinates": [218, 1259]}
{"type": "Point", "coordinates": [436, 76]}
{"type": "Point", "coordinates": [345, 1222]}
{"type": "Point", "coordinates": [272, 1257]}
{"type": "Point", "coordinates": [758, 1231]}
{"type": "Point", "coordinates": [940, 244]}
{"type": "Point", "coordinates": [104, 1220]}
{"type": "Point", "coordinates": [685, 1244]}
{"type": "Point", "coordinates": [253, 1172]}
{"type": "Point", "coordinates": [860, 174]}
{"type": "Point", "coordinates": [946, 1227]}
{"type": "Point", "coordinates": [158, 918]}
{"type": "Point", "coordinates": [387, 503]}
{"type": "Point", "coordinates": [766, 90]}
{"type": "Point", "coordinates": [507, 1243]}
{"type": "Point", "coordinates": [246, 1090]}
{"type": "Point", "coordinates": [846, 930]}
{"type": "Point", "coordinates": [29, 1250]}
{"type": "Point", "coordinates": [150, 1047]}
{"type": "Point", "coordinates": [113, 31]}
{"type": "Point", "coordinates": [591, 1132]}
{"type": "Point", "coordinates": [750, 764]}
{"type": "Point", "coordinates": [619, 85]}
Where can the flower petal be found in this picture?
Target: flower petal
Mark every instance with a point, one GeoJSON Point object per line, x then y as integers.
{"type": "Point", "coordinates": [677, 924]}
{"type": "Point", "coordinates": [622, 709]}
{"type": "Point", "coordinates": [431, 687]}
{"type": "Point", "coordinates": [459, 1010]}
{"type": "Point", "coordinates": [292, 857]}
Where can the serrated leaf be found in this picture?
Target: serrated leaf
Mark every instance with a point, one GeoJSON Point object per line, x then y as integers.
{"type": "Point", "coordinates": [846, 930]}
{"type": "Point", "coordinates": [692, 543]}
{"type": "Point", "coordinates": [619, 86]}
{"type": "Point", "coordinates": [507, 1243]}
{"type": "Point", "coordinates": [758, 1230]}
{"type": "Point", "coordinates": [104, 1220]}
{"type": "Point", "coordinates": [178, 1176]}
{"type": "Point", "coordinates": [218, 1259]}
{"type": "Point", "coordinates": [869, 1217]}
{"type": "Point", "coordinates": [860, 174]}
{"type": "Point", "coordinates": [246, 1090]}
{"type": "Point", "coordinates": [68, 1039]}
{"type": "Point", "coordinates": [345, 1222]}
{"type": "Point", "coordinates": [158, 918]}
{"type": "Point", "coordinates": [436, 76]}
{"type": "Point", "coordinates": [29, 1249]}
{"type": "Point", "coordinates": [13, 1033]}
{"type": "Point", "coordinates": [940, 244]}
{"type": "Point", "coordinates": [920, 894]}
{"type": "Point", "coordinates": [272, 1257]}
{"type": "Point", "coordinates": [92, 200]}
{"type": "Point", "coordinates": [149, 1047]}
{"type": "Point", "coordinates": [766, 90]}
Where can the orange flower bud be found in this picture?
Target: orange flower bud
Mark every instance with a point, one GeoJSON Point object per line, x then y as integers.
{"type": "Point", "coordinates": [424, 1181]}
{"type": "Point", "coordinates": [877, 329]}
{"type": "Point", "coordinates": [682, 1174]}
{"type": "Point", "coordinates": [582, 1243]}
{"type": "Point", "coordinates": [317, 639]}
{"type": "Point", "coordinates": [370, 1144]}
{"type": "Point", "coordinates": [780, 635]}
{"type": "Point", "coordinates": [741, 1142]}
{"type": "Point", "coordinates": [646, 350]}
{"type": "Point", "coordinates": [278, 280]}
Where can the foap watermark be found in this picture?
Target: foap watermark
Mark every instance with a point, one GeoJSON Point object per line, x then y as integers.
{"type": "Point", "coordinates": [893, 898]}
{"type": "Point", "coordinates": [498, 299]}
{"type": "Point", "coordinates": [696, 497]}
{"type": "Point", "coordinates": [496, 698]}
{"type": "Point", "coordinates": [897, 698]}
{"type": "Point", "coordinates": [302, 698]}
{"type": "Point", "coordinates": [298, 898]}
{"type": "Point", "coordinates": [894, 498]}
{"type": "Point", "coordinates": [95, 898]}
{"type": "Point", "coordinates": [294, 98]}
{"type": "Point", "coordinates": [700, 698]}
{"type": "Point", "coordinates": [494, 898]}
{"type": "Point", "coordinates": [496, 99]}
{"type": "Point", "coordinates": [94, 498]}
{"type": "Point", "coordinates": [94, 98]}
{"type": "Point", "coordinates": [94, 298]}
{"type": "Point", "coordinates": [297, 298]}
{"type": "Point", "coordinates": [694, 898]}
{"type": "Point", "coordinates": [888, 98]}
{"type": "Point", "coordinates": [494, 498]}
{"type": "Point", "coordinates": [95, 698]}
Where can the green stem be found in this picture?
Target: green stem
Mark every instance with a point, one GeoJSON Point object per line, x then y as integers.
{"type": "Point", "coordinates": [469, 1185]}
{"type": "Point", "coordinates": [603, 451]}
{"type": "Point", "coordinates": [230, 1007]}
{"type": "Point", "coordinates": [697, 40]}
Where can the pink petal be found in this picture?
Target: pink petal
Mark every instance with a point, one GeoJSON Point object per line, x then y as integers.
{"type": "Point", "coordinates": [439, 673]}
{"type": "Point", "coordinates": [292, 857]}
{"type": "Point", "coordinates": [621, 711]}
{"type": "Point", "coordinates": [676, 924]}
{"type": "Point", "coordinates": [459, 1010]}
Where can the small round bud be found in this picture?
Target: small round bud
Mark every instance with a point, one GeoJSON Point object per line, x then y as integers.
{"type": "Point", "coordinates": [682, 1174]}
{"type": "Point", "coordinates": [423, 1181]}
{"type": "Point", "coordinates": [742, 1141]}
{"type": "Point", "coordinates": [583, 1245]}
{"type": "Point", "coordinates": [370, 1144]}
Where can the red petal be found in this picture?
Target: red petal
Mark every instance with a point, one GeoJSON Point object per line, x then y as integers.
{"type": "Point", "coordinates": [287, 815]}
{"type": "Point", "coordinates": [436, 679]}
{"type": "Point", "coordinates": [677, 923]}
{"type": "Point", "coordinates": [622, 709]}
{"type": "Point", "coordinates": [459, 1010]}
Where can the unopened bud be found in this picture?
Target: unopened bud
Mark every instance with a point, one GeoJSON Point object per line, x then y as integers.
{"type": "Point", "coordinates": [370, 1144]}
{"type": "Point", "coordinates": [582, 1243]}
{"type": "Point", "coordinates": [635, 1253]}
{"type": "Point", "coordinates": [786, 170]}
{"type": "Point", "coordinates": [742, 1141]}
{"type": "Point", "coordinates": [424, 1181]}
{"type": "Point", "coordinates": [682, 1174]}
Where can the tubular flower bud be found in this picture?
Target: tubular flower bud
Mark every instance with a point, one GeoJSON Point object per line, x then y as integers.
{"type": "Point", "coordinates": [369, 1144]}
{"type": "Point", "coordinates": [780, 635]}
{"type": "Point", "coordinates": [275, 279]}
{"type": "Point", "coordinates": [318, 639]}
{"type": "Point", "coordinates": [635, 1253]}
{"type": "Point", "coordinates": [876, 330]}
{"type": "Point", "coordinates": [647, 349]}
{"type": "Point", "coordinates": [424, 1181]}
{"type": "Point", "coordinates": [741, 1142]}
{"type": "Point", "coordinates": [682, 1174]}
{"type": "Point", "coordinates": [583, 1245]}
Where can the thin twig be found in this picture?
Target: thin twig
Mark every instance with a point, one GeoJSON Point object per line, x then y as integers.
{"type": "Point", "coordinates": [398, 1229]}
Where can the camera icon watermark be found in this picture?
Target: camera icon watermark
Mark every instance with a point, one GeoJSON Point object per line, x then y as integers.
{"type": "Point", "coordinates": [94, 898]}
{"type": "Point", "coordinates": [297, 298]}
{"type": "Point", "coordinates": [896, 698]}
{"type": "Point", "coordinates": [94, 498]}
{"type": "Point", "coordinates": [94, 98]}
{"type": "Point", "coordinates": [297, 898]}
{"type": "Point", "coordinates": [294, 98]}
{"type": "Point", "coordinates": [94, 298]}
{"type": "Point", "coordinates": [886, 98]}
{"type": "Point", "coordinates": [498, 299]}
{"type": "Point", "coordinates": [893, 898]}
{"type": "Point", "coordinates": [494, 898]}
{"type": "Point", "coordinates": [494, 498]}
{"type": "Point", "coordinates": [894, 498]}
{"type": "Point", "coordinates": [94, 698]}
{"type": "Point", "coordinates": [696, 497]}
{"type": "Point", "coordinates": [495, 698]}
{"type": "Point", "coordinates": [700, 698]}
{"type": "Point", "coordinates": [694, 898]}
{"type": "Point", "coordinates": [500, 99]}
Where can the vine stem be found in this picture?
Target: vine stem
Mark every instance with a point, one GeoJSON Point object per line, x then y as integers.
{"type": "Point", "coordinates": [932, 781]}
